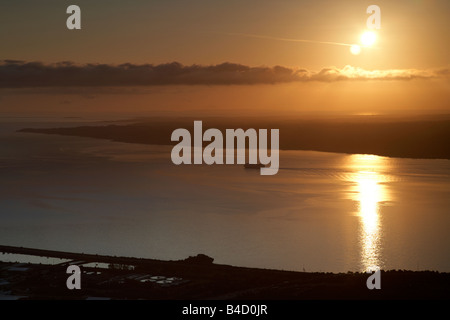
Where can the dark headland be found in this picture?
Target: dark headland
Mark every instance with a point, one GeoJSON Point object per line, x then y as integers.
{"type": "Point", "coordinates": [198, 278]}
{"type": "Point", "coordinates": [425, 137]}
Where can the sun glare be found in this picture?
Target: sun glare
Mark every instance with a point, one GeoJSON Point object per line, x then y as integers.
{"type": "Point", "coordinates": [355, 49]}
{"type": "Point", "coordinates": [368, 38]}
{"type": "Point", "coordinates": [370, 191]}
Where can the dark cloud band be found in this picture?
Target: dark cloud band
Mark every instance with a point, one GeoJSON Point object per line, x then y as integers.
{"type": "Point", "coordinates": [21, 74]}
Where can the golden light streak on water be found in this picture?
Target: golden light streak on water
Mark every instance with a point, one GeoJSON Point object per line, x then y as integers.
{"type": "Point", "coordinates": [370, 192]}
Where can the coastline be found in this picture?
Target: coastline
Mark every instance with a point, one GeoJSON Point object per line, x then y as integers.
{"type": "Point", "coordinates": [394, 138]}
{"type": "Point", "coordinates": [200, 279]}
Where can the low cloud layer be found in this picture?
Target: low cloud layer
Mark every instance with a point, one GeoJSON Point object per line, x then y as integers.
{"type": "Point", "coordinates": [21, 74]}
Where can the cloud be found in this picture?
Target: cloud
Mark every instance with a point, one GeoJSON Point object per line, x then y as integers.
{"type": "Point", "coordinates": [21, 74]}
{"type": "Point", "coordinates": [354, 73]}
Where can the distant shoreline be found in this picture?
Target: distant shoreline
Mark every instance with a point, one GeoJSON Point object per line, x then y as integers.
{"type": "Point", "coordinates": [416, 139]}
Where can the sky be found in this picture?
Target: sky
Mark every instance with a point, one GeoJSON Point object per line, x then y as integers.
{"type": "Point", "coordinates": [213, 57]}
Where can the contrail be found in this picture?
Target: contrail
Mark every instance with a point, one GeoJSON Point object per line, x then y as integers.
{"type": "Point", "coordinates": [287, 39]}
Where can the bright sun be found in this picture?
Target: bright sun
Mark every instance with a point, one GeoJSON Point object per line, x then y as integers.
{"type": "Point", "coordinates": [368, 38]}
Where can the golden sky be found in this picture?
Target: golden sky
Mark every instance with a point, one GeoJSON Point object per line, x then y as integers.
{"type": "Point", "coordinates": [236, 46]}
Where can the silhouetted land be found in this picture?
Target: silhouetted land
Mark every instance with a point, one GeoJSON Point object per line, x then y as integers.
{"type": "Point", "coordinates": [412, 138]}
{"type": "Point", "coordinates": [202, 279]}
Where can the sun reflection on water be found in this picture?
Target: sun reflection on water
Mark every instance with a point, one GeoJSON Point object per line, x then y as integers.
{"type": "Point", "coordinates": [370, 191]}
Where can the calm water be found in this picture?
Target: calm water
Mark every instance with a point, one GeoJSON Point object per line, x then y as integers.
{"type": "Point", "coordinates": [321, 212]}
